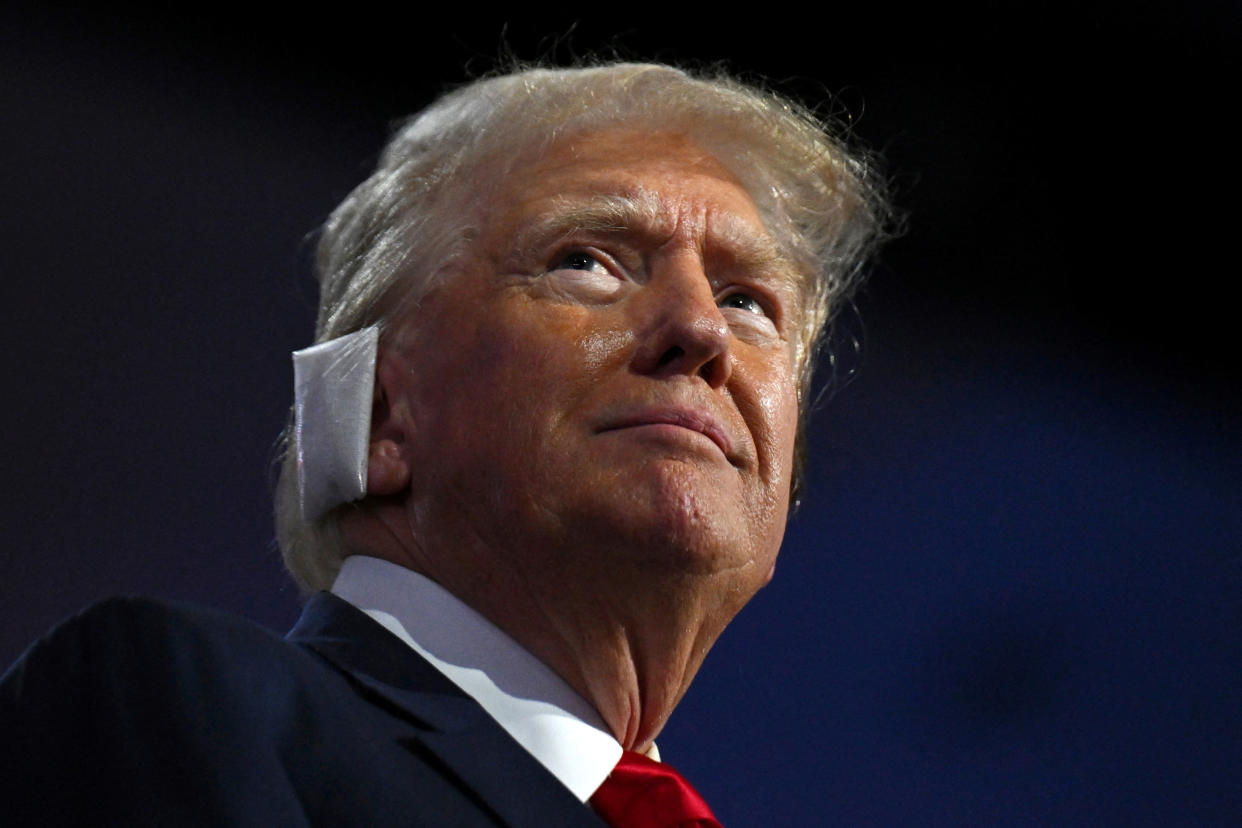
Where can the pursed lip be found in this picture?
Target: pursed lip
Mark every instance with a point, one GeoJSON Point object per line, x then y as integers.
{"type": "Point", "coordinates": [688, 418]}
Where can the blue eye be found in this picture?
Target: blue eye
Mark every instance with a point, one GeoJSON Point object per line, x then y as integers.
{"type": "Point", "coordinates": [743, 301]}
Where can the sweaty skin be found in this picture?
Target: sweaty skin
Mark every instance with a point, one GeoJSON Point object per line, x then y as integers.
{"type": "Point", "coordinates": [586, 432]}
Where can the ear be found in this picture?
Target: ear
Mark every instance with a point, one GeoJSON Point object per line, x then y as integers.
{"type": "Point", "coordinates": [392, 429]}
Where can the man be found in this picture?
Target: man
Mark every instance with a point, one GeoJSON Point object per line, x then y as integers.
{"type": "Point", "coordinates": [541, 456]}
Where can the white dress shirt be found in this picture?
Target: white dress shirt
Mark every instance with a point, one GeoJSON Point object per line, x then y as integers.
{"type": "Point", "coordinates": [535, 705]}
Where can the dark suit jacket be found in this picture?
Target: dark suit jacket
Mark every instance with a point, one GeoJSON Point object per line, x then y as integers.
{"type": "Point", "coordinates": [138, 712]}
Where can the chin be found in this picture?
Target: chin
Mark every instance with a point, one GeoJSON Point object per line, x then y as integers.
{"type": "Point", "coordinates": [677, 517]}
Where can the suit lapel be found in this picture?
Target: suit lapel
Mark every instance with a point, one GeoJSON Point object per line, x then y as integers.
{"type": "Point", "coordinates": [449, 726]}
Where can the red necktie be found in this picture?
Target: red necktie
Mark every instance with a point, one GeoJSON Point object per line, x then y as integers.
{"type": "Point", "coordinates": [643, 793]}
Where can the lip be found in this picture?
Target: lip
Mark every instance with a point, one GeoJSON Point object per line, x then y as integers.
{"type": "Point", "coordinates": [687, 418]}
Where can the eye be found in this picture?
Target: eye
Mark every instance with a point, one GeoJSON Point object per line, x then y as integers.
{"type": "Point", "coordinates": [582, 276]}
{"type": "Point", "coordinates": [751, 317]}
{"type": "Point", "coordinates": [743, 301]}
{"type": "Point", "coordinates": [577, 260]}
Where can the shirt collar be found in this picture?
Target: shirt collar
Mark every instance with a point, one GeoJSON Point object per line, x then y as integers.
{"type": "Point", "coordinates": [535, 705]}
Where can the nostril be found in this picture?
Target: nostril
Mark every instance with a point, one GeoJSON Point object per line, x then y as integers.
{"type": "Point", "coordinates": [670, 356]}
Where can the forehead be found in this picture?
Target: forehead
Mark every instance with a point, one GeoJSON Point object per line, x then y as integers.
{"type": "Point", "coordinates": [637, 182]}
{"type": "Point", "coordinates": [655, 166]}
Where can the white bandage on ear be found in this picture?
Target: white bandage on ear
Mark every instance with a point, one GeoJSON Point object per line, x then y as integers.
{"type": "Point", "coordinates": [334, 383]}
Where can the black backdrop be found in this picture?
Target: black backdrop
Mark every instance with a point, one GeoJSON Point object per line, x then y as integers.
{"type": "Point", "coordinates": [1013, 594]}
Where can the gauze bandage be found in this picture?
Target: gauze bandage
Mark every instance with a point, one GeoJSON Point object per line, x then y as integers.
{"type": "Point", "coordinates": [334, 384]}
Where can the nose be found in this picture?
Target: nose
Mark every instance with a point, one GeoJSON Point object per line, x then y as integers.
{"type": "Point", "coordinates": [681, 329]}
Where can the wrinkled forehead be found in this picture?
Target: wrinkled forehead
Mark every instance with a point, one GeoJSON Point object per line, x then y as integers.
{"type": "Point", "coordinates": [736, 239]}
{"type": "Point", "coordinates": [628, 180]}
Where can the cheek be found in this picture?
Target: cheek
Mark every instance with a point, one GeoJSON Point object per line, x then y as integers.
{"type": "Point", "coordinates": [788, 417]}
{"type": "Point", "coordinates": [539, 356]}
{"type": "Point", "coordinates": [780, 406]}
{"type": "Point", "coordinates": [602, 348]}
{"type": "Point", "coordinates": [531, 372]}
{"type": "Point", "coordinates": [776, 399]}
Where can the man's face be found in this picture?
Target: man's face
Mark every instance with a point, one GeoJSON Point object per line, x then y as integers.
{"type": "Point", "coordinates": [609, 380]}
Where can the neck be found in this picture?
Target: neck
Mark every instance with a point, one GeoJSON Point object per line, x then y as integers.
{"type": "Point", "coordinates": [628, 639]}
{"type": "Point", "coordinates": [631, 653]}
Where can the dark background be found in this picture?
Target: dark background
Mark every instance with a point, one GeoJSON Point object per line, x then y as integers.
{"type": "Point", "coordinates": [1015, 591]}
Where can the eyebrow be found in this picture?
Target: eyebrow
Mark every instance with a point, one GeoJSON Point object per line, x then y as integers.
{"type": "Point", "coordinates": [610, 214]}
{"type": "Point", "coordinates": [642, 213]}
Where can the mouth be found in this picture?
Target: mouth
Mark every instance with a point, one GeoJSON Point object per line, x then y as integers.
{"type": "Point", "coordinates": [689, 419]}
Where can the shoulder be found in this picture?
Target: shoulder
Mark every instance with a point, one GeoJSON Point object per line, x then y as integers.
{"type": "Point", "coordinates": [142, 712]}
{"type": "Point", "coordinates": [129, 651]}
{"type": "Point", "coordinates": [130, 618]}
{"type": "Point", "coordinates": [135, 702]}
{"type": "Point", "coordinates": [146, 638]}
